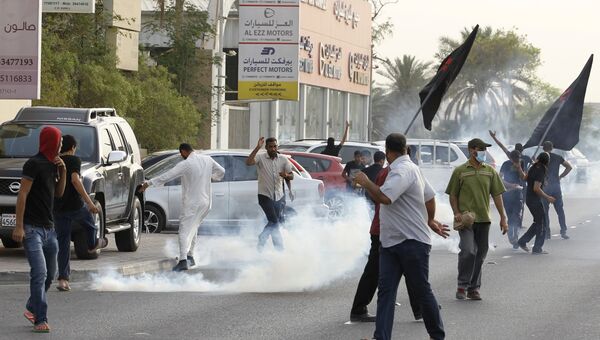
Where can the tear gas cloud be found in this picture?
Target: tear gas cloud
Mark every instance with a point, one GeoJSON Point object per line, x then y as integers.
{"type": "Point", "coordinates": [317, 252]}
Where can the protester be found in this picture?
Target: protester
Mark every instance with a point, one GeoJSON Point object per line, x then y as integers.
{"type": "Point", "coordinates": [196, 172]}
{"type": "Point", "coordinates": [365, 157]}
{"type": "Point", "coordinates": [272, 169]}
{"type": "Point", "coordinates": [553, 189]}
{"type": "Point", "coordinates": [513, 177]}
{"type": "Point", "coordinates": [367, 285]}
{"type": "Point", "coordinates": [352, 168]}
{"type": "Point", "coordinates": [334, 150]}
{"type": "Point", "coordinates": [535, 196]}
{"type": "Point", "coordinates": [469, 189]}
{"type": "Point", "coordinates": [406, 215]}
{"type": "Point", "coordinates": [43, 179]}
{"type": "Point", "coordinates": [526, 160]}
{"type": "Point", "coordinates": [70, 208]}
{"type": "Point", "coordinates": [374, 169]}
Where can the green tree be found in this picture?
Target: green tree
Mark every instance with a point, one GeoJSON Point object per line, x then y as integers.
{"type": "Point", "coordinates": [405, 77]}
{"type": "Point", "coordinates": [495, 80]}
{"type": "Point", "coordinates": [79, 70]}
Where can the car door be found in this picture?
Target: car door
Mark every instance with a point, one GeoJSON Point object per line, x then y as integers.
{"type": "Point", "coordinates": [112, 181]}
{"type": "Point", "coordinates": [219, 212]}
{"type": "Point", "coordinates": [243, 192]}
{"type": "Point", "coordinates": [124, 174]}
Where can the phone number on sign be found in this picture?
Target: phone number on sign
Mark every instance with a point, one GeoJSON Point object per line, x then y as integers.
{"type": "Point", "coordinates": [16, 62]}
{"type": "Point", "coordinates": [17, 78]}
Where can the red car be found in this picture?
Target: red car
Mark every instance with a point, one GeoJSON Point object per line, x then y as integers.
{"type": "Point", "coordinates": [323, 167]}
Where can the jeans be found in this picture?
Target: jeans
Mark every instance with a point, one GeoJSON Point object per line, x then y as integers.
{"type": "Point", "coordinates": [273, 211]}
{"type": "Point", "coordinates": [64, 222]}
{"type": "Point", "coordinates": [513, 205]}
{"type": "Point", "coordinates": [556, 192]}
{"type": "Point", "coordinates": [473, 246]}
{"type": "Point", "coordinates": [368, 283]}
{"type": "Point", "coordinates": [411, 259]}
{"type": "Point", "coordinates": [41, 248]}
{"type": "Point", "coordinates": [537, 228]}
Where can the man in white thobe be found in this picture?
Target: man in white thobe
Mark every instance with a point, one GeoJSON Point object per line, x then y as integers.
{"type": "Point", "coordinates": [196, 172]}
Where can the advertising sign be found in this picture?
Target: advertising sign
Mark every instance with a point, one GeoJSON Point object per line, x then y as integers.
{"type": "Point", "coordinates": [20, 38]}
{"type": "Point", "coordinates": [268, 50]}
{"type": "Point", "coordinates": [60, 6]}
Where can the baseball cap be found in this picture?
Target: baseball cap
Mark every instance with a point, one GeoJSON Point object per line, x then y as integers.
{"type": "Point", "coordinates": [477, 143]}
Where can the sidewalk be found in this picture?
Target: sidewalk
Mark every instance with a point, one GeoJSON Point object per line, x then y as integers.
{"type": "Point", "coordinates": [148, 258]}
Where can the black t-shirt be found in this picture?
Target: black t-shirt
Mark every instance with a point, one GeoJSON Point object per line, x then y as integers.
{"type": "Point", "coordinates": [554, 168]}
{"type": "Point", "coordinates": [537, 173]}
{"type": "Point", "coordinates": [40, 201]}
{"type": "Point", "coordinates": [71, 200]}
{"type": "Point", "coordinates": [372, 171]}
{"type": "Point", "coordinates": [510, 174]}
{"type": "Point", "coordinates": [332, 151]}
{"type": "Point", "coordinates": [352, 168]}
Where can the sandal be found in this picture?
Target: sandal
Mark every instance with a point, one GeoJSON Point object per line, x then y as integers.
{"type": "Point", "coordinates": [63, 286]}
{"type": "Point", "coordinates": [29, 316]}
{"type": "Point", "coordinates": [41, 328]}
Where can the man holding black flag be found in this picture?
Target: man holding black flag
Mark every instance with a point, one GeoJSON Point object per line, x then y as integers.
{"type": "Point", "coordinates": [553, 189]}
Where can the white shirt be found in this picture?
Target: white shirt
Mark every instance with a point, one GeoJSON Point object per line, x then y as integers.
{"type": "Point", "coordinates": [270, 183]}
{"type": "Point", "coordinates": [196, 173]}
{"type": "Point", "coordinates": [406, 218]}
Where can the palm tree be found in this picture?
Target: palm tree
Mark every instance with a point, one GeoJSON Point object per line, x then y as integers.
{"type": "Point", "coordinates": [406, 76]}
{"type": "Point", "coordinates": [495, 79]}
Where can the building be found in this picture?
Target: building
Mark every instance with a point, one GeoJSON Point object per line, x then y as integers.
{"type": "Point", "coordinates": [334, 76]}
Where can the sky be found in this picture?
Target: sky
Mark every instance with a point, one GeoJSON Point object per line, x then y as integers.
{"type": "Point", "coordinates": [566, 32]}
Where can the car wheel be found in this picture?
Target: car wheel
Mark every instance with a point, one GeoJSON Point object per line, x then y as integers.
{"type": "Point", "coordinates": [80, 239]}
{"type": "Point", "coordinates": [154, 219]}
{"type": "Point", "coordinates": [336, 206]}
{"type": "Point", "coordinates": [129, 240]}
{"type": "Point", "coordinates": [9, 243]}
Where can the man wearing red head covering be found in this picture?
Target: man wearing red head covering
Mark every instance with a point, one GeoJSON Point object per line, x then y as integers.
{"type": "Point", "coordinates": [44, 177]}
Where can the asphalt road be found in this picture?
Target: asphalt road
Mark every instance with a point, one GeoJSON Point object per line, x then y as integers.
{"type": "Point", "coordinates": [553, 296]}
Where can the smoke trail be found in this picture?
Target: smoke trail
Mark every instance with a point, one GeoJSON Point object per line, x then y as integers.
{"type": "Point", "coordinates": [317, 252]}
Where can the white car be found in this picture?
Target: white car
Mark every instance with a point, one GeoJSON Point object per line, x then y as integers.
{"type": "Point", "coordinates": [436, 159]}
{"type": "Point", "coordinates": [318, 145]}
{"type": "Point", "coordinates": [234, 199]}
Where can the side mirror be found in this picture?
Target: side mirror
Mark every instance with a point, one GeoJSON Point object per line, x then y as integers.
{"type": "Point", "coordinates": [116, 157]}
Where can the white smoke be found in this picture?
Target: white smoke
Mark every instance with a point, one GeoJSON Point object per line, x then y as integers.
{"type": "Point", "coordinates": [317, 252]}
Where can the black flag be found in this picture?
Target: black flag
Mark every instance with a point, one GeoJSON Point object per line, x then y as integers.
{"type": "Point", "coordinates": [431, 95]}
{"type": "Point", "coordinates": [562, 121]}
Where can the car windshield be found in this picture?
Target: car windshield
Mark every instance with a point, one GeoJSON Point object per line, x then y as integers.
{"type": "Point", "coordinates": [162, 166]}
{"type": "Point", "coordinates": [22, 140]}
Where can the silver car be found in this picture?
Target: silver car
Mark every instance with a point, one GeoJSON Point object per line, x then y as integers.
{"type": "Point", "coordinates": [234, 199]}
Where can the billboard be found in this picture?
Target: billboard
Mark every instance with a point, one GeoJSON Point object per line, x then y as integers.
{"type": "Point", "coordinates": [20, 38]}
{"type": "Point", "coordinates": [59, 6]}
{"type": "Point", "coordinates": [268, 51]}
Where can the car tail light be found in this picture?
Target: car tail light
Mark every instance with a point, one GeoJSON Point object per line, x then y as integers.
{"type": "Point", "coordinates": [321, 190]}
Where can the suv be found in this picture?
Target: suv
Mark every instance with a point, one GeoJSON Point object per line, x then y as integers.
{"type": "Point", "coordinates": [436, 159]}
{"type": "Point", "coordinates": [318, 145]}
{"type": "Point", "coordinates": [110, 170]}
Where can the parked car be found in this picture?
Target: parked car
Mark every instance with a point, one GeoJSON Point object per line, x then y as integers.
{"type": "Point", "coordinates": [318, 145]}
{"type": "Point", "coordinates": [235, 202]}
{"type": "Point", "coordinates": [156, 157]}
{"type": "Point", "coordinates": [436, 159]}
{"type": "Point", "coordinates": [329, 170]}
{"type": "Point", "coordinates": [111, 169]}
{"type": "Point", "coordinates": [577, 159]}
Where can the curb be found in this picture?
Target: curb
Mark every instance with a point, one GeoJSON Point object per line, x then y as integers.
{"type": "Point", "coordinates": [81, 275]}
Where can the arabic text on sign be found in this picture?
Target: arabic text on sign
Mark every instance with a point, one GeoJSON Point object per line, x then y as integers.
{"type": "Point", "coordinates": [14, 28]}
{"type": "Point", "coordinates": [342, 10]}
{"type": "Point", "coordinates": [320, 4]}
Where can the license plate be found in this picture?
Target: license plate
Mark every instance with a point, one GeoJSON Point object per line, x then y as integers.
{"type": "Point", "coordinates": [9, 220]}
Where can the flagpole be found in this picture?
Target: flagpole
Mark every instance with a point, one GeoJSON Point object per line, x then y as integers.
{"type": "Point", "coordinates": [417, 113]}
{"type": "Point", "coordinates": [548, 128]}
